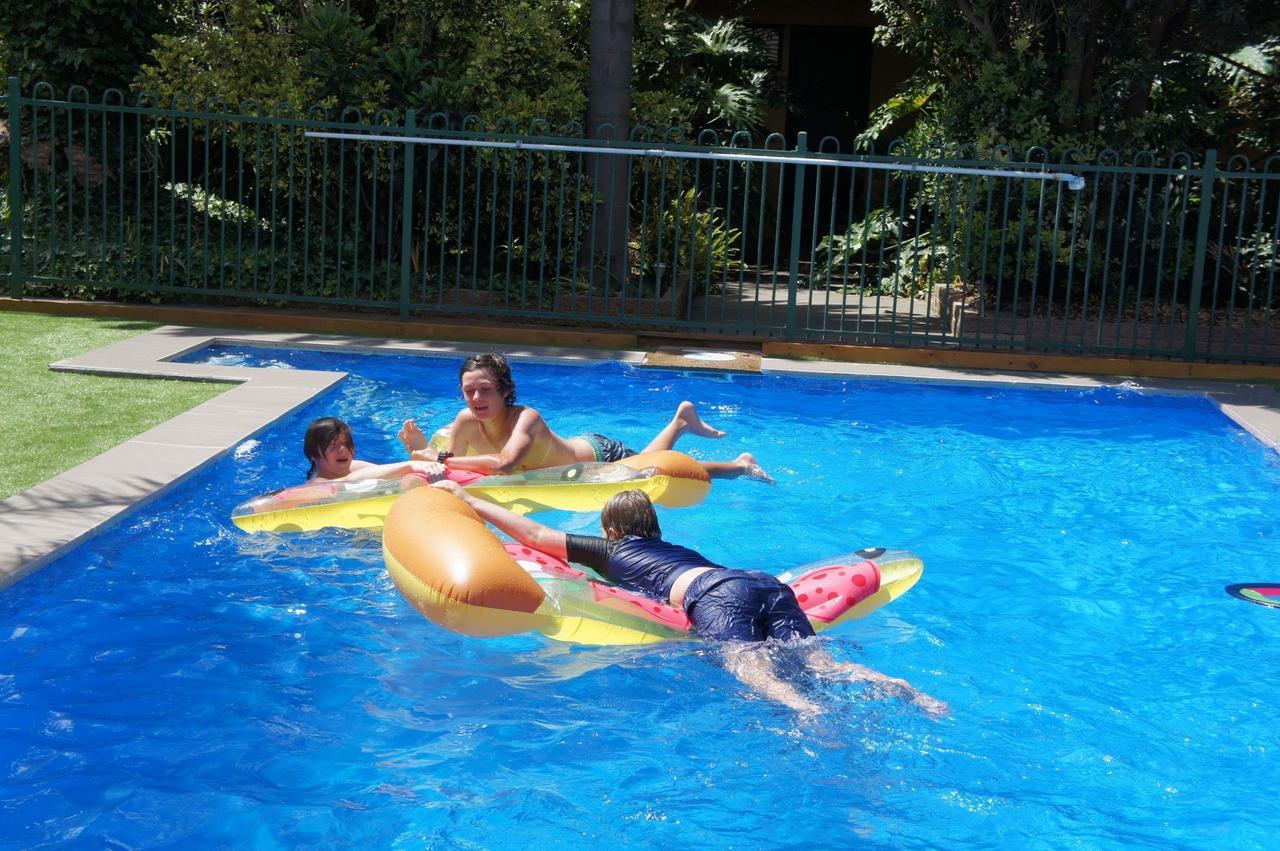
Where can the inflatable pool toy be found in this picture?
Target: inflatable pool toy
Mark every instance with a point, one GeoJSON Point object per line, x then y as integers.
{"type": "Point", "coordinates": [1262, 593]}
{"type": "Point", "coordinates": [670, 478]}
{"type": "Point", "coordinates": [453, 569]}
{"type": "Point", "coordinates": [317, 505]}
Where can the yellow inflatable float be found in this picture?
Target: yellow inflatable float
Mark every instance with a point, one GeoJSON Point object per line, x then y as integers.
{"type": "Point", "coordinates": [670, 478]}
{"type": "Point", "coordinates": [454, 570]}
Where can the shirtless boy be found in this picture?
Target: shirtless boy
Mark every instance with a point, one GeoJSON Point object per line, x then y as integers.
{"type": "Point", "coordinates": [510, 438]}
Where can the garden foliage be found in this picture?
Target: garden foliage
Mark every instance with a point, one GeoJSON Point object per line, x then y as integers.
{"type": "Point", "coordinates": [1079, 85]}
{"type": "Point", "coordinates": [198, 202]}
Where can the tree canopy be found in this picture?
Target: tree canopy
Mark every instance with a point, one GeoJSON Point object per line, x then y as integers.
{"type": "Point", "coordinates": [1122, 73]}
{"type": "Point", "coordinates": [521, 58]}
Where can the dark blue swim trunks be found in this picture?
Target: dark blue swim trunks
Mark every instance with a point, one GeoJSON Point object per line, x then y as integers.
{"type": "Point", "coordinates": [607, 449]}
{"type": "Point", "coordinates": [744, 605]}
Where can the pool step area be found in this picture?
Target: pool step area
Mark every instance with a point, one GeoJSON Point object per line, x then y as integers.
{"type": "Point", "coordinates": [715, 360]}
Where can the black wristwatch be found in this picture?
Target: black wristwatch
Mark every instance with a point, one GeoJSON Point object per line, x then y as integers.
{"type": "Point", "coordinates": [442, 456]}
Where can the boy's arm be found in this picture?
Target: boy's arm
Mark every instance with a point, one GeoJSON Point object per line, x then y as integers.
{"type": "Point", "coordinates": [528, 532]}
{"type": "Point", "coordinates": [419, 446]}
{"type": "Point", "coordinates": [367, 471]}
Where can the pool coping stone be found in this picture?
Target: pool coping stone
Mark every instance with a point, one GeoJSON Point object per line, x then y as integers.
{"type": "Point", "coordinates": [702, 358]}
{"type": "Point", "coordinates": [41, 523]}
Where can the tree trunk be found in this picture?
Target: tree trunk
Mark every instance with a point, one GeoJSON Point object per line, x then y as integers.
{"type": "Point", "coordinates": [1140, 91]}
{"type": "Point", "coordinates": [609, 103]}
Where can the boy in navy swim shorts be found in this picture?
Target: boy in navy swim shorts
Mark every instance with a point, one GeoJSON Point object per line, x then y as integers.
{"type": "Point", "coordinates": [742, 609]}
{"type": "Point", "coordinates": [495, 436]}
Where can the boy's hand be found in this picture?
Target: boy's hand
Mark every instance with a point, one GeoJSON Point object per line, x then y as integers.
{"type": "Point", "coordinates": [433, 471]}
{"type": "Point", "coordinates": [452, 487]}
{"type": "Point", "coordinates": [412, 438]}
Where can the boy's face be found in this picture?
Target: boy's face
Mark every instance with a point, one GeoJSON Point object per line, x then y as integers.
{"type": "Point", "coordinates": [483, 398]}
{"type": "Point", "coordinates": [335, 461]}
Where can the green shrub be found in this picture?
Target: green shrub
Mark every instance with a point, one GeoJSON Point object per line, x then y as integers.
{"type": "Point", "coordinates": [97, 44]}
{"type": "Point", "coordinates": [686, 238]}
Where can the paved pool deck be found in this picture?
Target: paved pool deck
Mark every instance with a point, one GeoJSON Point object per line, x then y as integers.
{"type": "Point", "coordinates": [39, 524]}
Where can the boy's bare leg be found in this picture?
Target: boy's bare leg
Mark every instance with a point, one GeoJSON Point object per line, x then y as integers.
{"type": "Point", "coordinates": [744, 465]}
{"type": "Point", "coordinates": [750, 663]}
{"type": "Point", "coordinates": [412, 437]}
{"type": "Point", "coordinates": [824, 664]}
{"type": "Point", "coordinates": [685, 421]}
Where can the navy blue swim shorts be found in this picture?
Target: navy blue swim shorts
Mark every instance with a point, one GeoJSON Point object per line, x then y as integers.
{"type": "Point", "coordinates": [607, 449]}
{"type": "Point", "coordinates": [744, 605]}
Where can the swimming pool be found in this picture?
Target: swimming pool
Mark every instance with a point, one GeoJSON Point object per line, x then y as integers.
{"type": "Point", "coordinates": [176, 681]}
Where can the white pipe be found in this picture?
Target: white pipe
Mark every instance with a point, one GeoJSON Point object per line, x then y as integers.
{"type": "Point", "coordinates": [1073, 181]}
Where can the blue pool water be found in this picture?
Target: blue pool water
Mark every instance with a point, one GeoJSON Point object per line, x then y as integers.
{"type": "Point", "coordinates": [175, 681]}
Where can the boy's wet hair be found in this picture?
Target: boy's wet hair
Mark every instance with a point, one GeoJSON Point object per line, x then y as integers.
{"type": "Point", "coordinates": [495, 365]}
{"type": "Point", "coordinates": [630, 513]}
{"type": "Point", "coordinates": [320, 434]}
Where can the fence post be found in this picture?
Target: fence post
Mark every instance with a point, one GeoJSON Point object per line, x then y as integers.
{"type": "Point", "coordinates": [797, 207]}
{"type": "Point", "coordinates": [17, 272]}
{"type": "Point", "coordinates": [1208, 176]}
{"type": "Point", "coordinates": [406, 214]}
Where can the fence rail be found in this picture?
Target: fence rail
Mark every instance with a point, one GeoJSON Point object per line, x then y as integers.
{"type": "Point", "coordinates": [1168, 259]}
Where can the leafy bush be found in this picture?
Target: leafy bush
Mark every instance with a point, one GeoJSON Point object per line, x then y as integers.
{"type": "Point", "coordinates": [233, 52]}
{"type": "Point", "coordinates": [1021, 73]}
{"type": "Point", "coordinates": [707, 73]}
{"type": "Point", "coordinates": [685, 239]}
{"type": "Point", "coordinates": [97, 44]}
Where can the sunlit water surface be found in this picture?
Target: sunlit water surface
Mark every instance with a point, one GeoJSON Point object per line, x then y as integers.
{"type": "Point", "coordinates": [175, 681]}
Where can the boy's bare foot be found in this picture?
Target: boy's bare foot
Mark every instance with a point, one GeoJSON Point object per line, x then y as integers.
{"type": "Point", "coordinates": [805, 707]}
{"type": "Point", "coordinates": [744, 465]}
{"type": "Point", "coordinates": [690, 423]}
{"type": "Point", "coordinates": [751, 469]}
{"type": "Point", "coordinates": [412, 437]}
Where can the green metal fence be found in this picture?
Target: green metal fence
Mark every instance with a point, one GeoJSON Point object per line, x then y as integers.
{"type": "Point", "coordinates": [117, 197]}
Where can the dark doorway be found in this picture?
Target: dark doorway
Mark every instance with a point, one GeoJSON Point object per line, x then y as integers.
{"type": "Point", "coordinates": [829, 76]}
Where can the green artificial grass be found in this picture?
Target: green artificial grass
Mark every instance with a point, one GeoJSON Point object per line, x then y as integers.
{"type": "Point", "coordinates": [56, 420]}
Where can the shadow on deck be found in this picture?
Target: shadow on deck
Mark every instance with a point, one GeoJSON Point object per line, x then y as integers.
{"type": "Point", "coordinates": [826, 315]}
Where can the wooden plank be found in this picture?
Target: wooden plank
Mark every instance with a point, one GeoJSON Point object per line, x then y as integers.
{"type": "Point", "coordinates": [324, 323]}
{"type": "Point", "coordinates": [1006, 362]}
